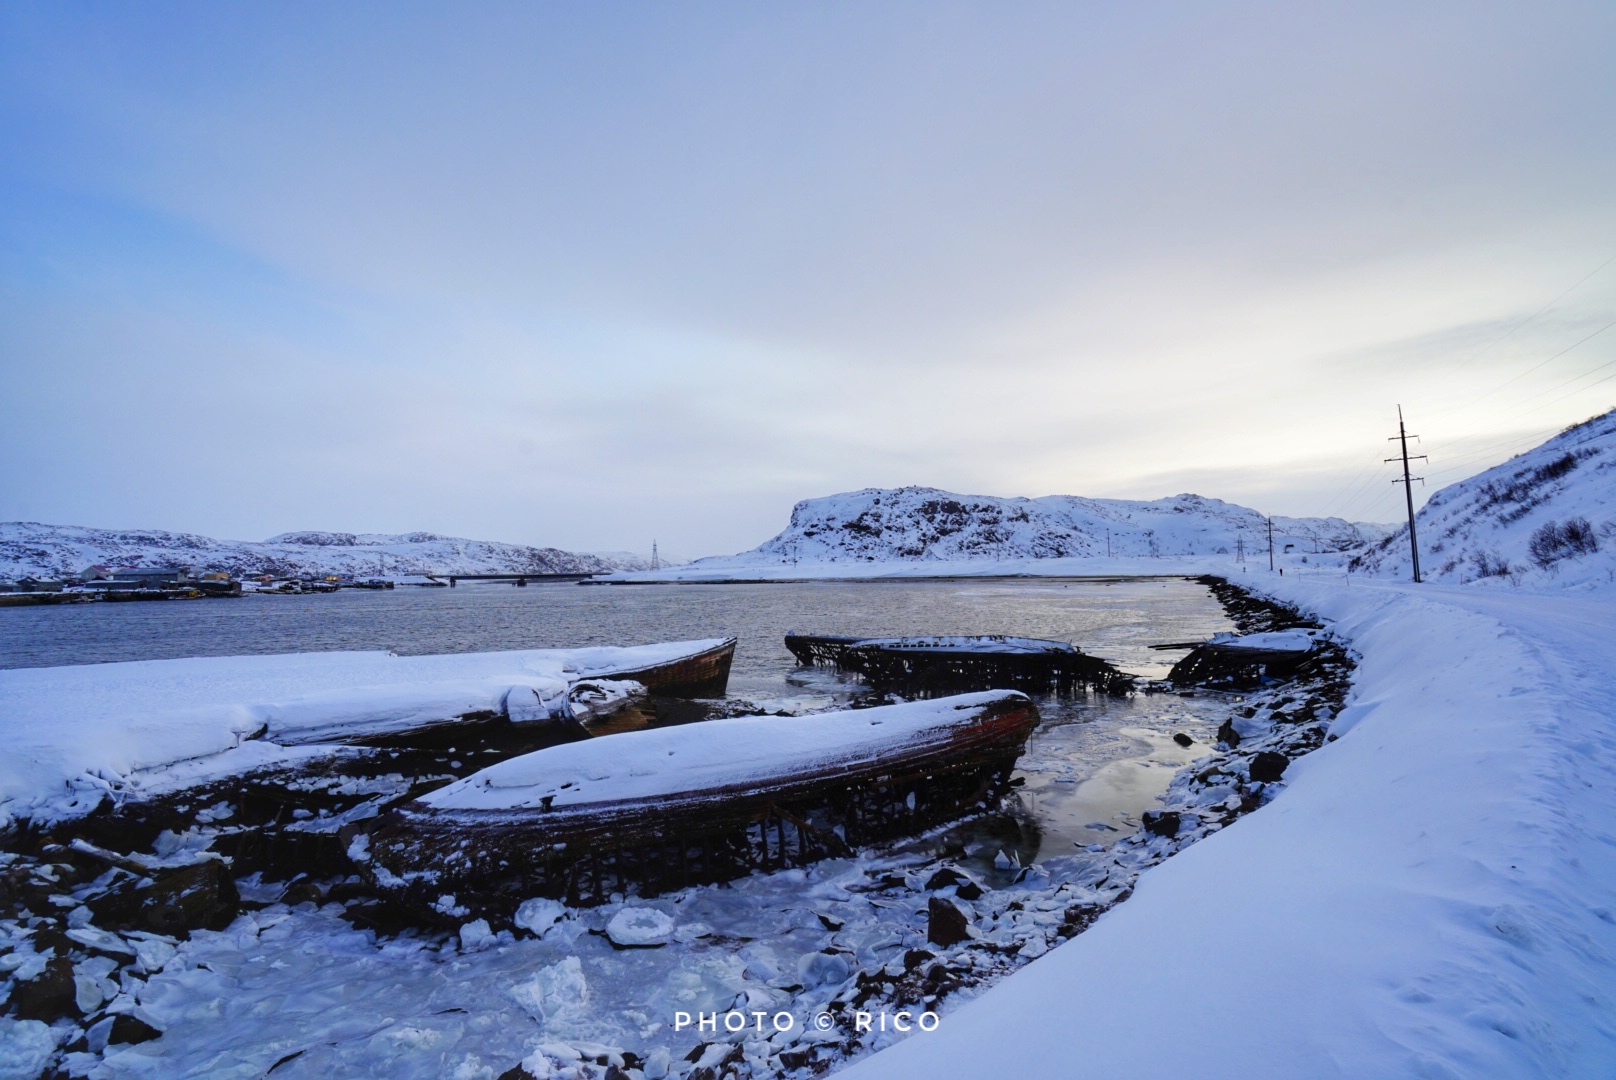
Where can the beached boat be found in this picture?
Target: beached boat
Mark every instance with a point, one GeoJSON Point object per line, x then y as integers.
{"type": "Point", "coordinates": [929, 666]}
{"type": "Point", "coordinates": [1246, 661]}
{"type": "Point", "coordinates": [703, 674]}
{"type": "Point", "coordinates": [666, 807]}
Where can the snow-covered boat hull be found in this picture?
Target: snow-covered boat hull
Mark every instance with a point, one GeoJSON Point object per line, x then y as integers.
{"type": "Point", "coordinates": [940, 761]}
{"type": "Point", "coordinates": [932, 666]}
{"type": "Point", "coordinates": [700, 675]}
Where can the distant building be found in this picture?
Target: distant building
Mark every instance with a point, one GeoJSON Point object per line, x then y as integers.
{"type": "Point", "coordinates": [151, 577]}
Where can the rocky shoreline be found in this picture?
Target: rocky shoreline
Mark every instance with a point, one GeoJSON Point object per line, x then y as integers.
{"type": "Point", "coordinates": [83, 926]}
{"type": "Point", "coordinates": [976, 936]}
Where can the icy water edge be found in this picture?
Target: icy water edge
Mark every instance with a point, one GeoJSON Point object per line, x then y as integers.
{"type": "Point", "coordinates": [300, 981]}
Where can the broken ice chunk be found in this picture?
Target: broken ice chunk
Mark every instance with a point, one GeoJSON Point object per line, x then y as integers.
{"type": "Point", "coordinates": [639, 928]}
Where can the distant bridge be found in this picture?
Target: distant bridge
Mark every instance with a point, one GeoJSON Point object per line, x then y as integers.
{"type": "Point", "coordinates": [514, 579]}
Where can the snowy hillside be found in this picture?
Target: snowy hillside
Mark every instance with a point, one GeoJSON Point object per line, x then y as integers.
{"type": "Point", "coordinates": [31, 549]}
{"type": "Point", "coordinates": [1545, 517]}
{"type": "Point", "coordinates": [925, 524]}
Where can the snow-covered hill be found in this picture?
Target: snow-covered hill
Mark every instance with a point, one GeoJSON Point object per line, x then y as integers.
{"type": "Point", "coordinates": [1545, 517]}
{"type": "Point", "coordinates": [914, 524]}
{"type": "Point", "coordinates": [32, 549]}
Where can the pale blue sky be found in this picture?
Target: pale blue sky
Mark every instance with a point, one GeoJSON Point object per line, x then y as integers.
{"type": "Point", "coordinates": [587, 274]}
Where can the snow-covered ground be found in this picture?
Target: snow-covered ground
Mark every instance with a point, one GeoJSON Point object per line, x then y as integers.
{"type": "Point", "coordinates": [30, 549]}
{"type": "Point", "coordinates": [72, 734]}
{"type": "Point", "coordinates": [1546, 517]}
{"type": "Point", "coordinates": [1432, 895]}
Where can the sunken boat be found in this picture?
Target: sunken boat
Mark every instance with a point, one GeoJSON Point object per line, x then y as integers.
{"type": "Point", "coordinates": [663, 808]}
{"type": "Point", "coordinates": [1247, 661]}
{"type": "Point", "coordinates": [932, 666]}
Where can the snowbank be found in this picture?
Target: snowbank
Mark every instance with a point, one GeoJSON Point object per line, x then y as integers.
{"type": "Point", "coordinates": [1430, 896]}
{"type": "Point", "coordinates": [743, 750]}
{"type": "Point", "coordinates": [73, 733]}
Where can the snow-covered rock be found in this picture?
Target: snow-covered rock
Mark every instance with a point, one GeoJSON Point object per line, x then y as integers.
{"type": "Point", "coordinates": [1546, 517]}
{"type": "Point", "coordinates": [640, 927]}
{"type": "Point", "coordinates": [918, 524]}
{"type": "Point", "coordinates": [30, 549]}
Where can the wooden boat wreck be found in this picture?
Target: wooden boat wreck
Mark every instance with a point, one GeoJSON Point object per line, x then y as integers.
{"type": "Point", "coordinates": [596, 684]}
{"type": "Point", "coordinates": [1246, 661]}
{"type": "Point", "coordinates": [663, 808]}
{"type": "Point", "coordinates": [703, 674]}
{"type": "Point", "coordinates": [929, 666]}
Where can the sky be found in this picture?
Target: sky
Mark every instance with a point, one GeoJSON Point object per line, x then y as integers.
{"type": "Point", "coordinates": [589, 275]}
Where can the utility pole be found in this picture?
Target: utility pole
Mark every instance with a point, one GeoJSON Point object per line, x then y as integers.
{"type": "Point", "coordinates": [1408, 489]}
{"type": "Point", "coordinates": [1108, 543]}
{"type": "Point", "coordinates": [1240, 547]}
{"type": "Point", "coordinates": [1270, 545]}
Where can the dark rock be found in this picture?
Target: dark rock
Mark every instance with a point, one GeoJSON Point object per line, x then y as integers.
{"type": "Point", "coordinates": [1268, 767]}
{"type": "Point", "coordinates": [131, 1029]}
{"type": "Point", "coordinates": [795, 1059]}
{"type": "Point", "coordinates": [516, 1072]}
{"type": "Point", "coordinates": [946, 924]}
{"type": "Point", "coordinates": [829, 923]}
{"type": "Point", "coordinates": [49, 996]}
{"type": "Point", "coordinates": [945, 877]}
{"type": "Point", "coordinates": [1227, 734]}
{"type": "Point", "coordinates": [1182, 739]}
{"type": "Point", "coordinates": [915, 957]}
{"type": "Point", "coordinates": [1160, 822]}
{"type": "Point", "coordinates": [968, 890]}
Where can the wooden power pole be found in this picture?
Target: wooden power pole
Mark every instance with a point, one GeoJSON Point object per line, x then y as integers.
{"type": "Point", "coordinates": [1408, 489]}
{"type": "Point", "coordinates": [1270, 544]}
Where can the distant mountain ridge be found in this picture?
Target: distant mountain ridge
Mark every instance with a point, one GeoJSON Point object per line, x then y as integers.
{"type": "Point", "coordinates": [913, 524]}
{"type": "Point", "coordinates": [1545, 517]}
{"type": "Point", "coordinates": [31, 549]}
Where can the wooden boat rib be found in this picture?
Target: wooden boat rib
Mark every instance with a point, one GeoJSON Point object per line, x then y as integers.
{"type": "Point", "coordinates": [668, 807]}
{"type": "Point", "coordinates": [929, 666]}
{"type": "Point", "coordinates": [1244, 662]}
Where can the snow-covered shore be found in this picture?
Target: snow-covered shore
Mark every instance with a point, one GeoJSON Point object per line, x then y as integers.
{"type": "Point", "coordinates": [1434, 893]}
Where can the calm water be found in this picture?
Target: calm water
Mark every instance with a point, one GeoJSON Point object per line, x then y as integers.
{"type": "Point", "coordinates": [1091, 767]}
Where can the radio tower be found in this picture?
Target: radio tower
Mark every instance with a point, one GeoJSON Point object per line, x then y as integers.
{"type": "Point", "coordinates": [656, 563]}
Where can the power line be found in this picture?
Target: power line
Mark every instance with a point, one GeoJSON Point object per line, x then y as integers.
{"type": "Point", "coordinates": [1508, 333]}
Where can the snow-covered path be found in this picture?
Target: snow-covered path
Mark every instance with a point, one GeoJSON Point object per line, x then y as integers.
{"type": "Point", "coordinates": [1434, 894]}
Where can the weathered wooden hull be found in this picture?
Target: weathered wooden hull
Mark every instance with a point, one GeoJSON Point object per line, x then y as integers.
{"type": "Point", "coordinates": [492, 860]}
{"type": "Point", "coordinates": [1220, 668]}
{"type": "Point", "coordinates": [700, 675]}
{"type": "Point", "coordinates": [933, 672]}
